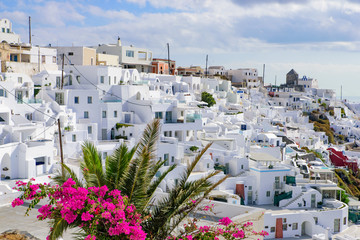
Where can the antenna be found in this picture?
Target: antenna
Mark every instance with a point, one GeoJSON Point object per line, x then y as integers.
{"type": "Point", "coordinates": [30, 30]}
{"type": "Point", "coordinates": [206, 70]}
{"type": "Point", "coordinates": [168, 48]}
{"type": "Point", "coordinates": [275, 80]}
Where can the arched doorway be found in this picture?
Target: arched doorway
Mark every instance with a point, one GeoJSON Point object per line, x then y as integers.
{"type": "Point", "coordinates": [306, 229]}
{"type": "Point", "coordinates": [138, 96]}
{"type": "Point", "coordinates": [5, 167]}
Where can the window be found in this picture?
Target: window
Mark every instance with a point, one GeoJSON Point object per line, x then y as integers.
{"type": "Point", "coordinates": [74, 138]}
{"type": "Point", "coordinates": [8, 30]}
{"type": "Point", "coordinates": [103, 114]}
{"type": "Point", "coordinates": [115, 113]}
{"type": "Point", "coordinates": [2, 92]}
{"type": "Point", "coordinates": [172, 159]}
{"type": "Point", "coordinates": [208, 165]}
{"type": "Point", "coordinates": [158, 115]}
{"type": "Point", "coordinates": [70, 79]}
{"type": "Point", "coordinates": [89, 99]}
{"type": "Point", "coordinates": [71, 54]}
{"type": "Point", "coordinates": [316, 220]}
{"type": "Point", "coordinates": [344, 220]}
{"type": "Point", "coordinates": [268, 193]}
{"type": "Point", "coordinates": [86, 114]}
{"type": "Point", "coordinates": [76, 100]}
{"type": "Point", "coordinates": [20, 80]}
{"type": "Point", "coordinates": [58, 82]}
{"type": "Point", "coordinates": [54, 59]}
{"type": "Point", "coordinates": [285, 227]}
{"type": "Point", "coordinates": [142, 55]}
{"type": "Point", "coordinates": [129, 53]}
{"type": "Point", "coordinates": [101, 79]}
{"type": "Point", "coordinates": [114, 80]}
{"type": "Point", "coordinates": [43, 58]}
{"type": "Point", "coordinates": [59, 98]}
{"type": "Point", "coordinates": [295, 226]}
{"type": "Point", "coordinates": [272, 229]}
{"type": "Point", "coordinates": [89, 129]}
{"type": "Point", "coordinates": [284, 220]}
{"type": "Point", "coordinates": [3, 30]}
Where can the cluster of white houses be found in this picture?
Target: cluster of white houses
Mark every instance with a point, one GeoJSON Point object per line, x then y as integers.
{"type": "Point", "coordinates": [107, 94]}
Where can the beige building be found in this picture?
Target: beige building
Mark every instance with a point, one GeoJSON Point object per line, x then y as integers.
{"type": "Point", "coordinates": [23, 58]}
{"type": "Point", "coordinates": [76, 55]}
{"type": "Point", "coordinates": [107, 60]}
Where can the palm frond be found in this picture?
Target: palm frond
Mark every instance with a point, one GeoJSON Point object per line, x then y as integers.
{"type": "Point", "coordinates": [117, 165]}
{"type": "Point", "coordinates": [58, 227]}
{"type": "Point", "coordinates": [92, 165]}
{"type": "Point", "coordinates": [149, 138]}
{"type": "Point", "coordinates": [60, 178]}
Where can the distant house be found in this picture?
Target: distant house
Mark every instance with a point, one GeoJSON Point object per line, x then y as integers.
{"type": "Point", "coordinates": [6, 33]}
{"type": "Point", "coordinates": [76, 55]}
{"type": "Point", "coordinates": [161, 66]}
{"type": "Point", "coordinates": [129, 56]}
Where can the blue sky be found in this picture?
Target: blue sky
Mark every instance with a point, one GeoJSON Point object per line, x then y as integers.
{"type": "Point", "coordinates": [318, 38]}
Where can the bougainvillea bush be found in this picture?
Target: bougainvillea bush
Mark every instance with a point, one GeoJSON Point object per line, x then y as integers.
{"type": "Point", "coordinates": [98, 212]}
{"type": "Point", "coordinates": [103, 214]}
{"type": "Point", "coordinates": [225, 229]}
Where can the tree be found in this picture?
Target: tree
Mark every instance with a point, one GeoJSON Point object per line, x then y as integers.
{"type": "Point", "coordinates": [208, 98]}
{"type": "Point", "coordinates": [132, 171]}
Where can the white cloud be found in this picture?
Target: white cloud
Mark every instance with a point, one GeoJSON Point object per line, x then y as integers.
{"type": "Point", "coordinates": [57, 13]}
{"type": "Point", "coordinates": [15, 16]}
{"type": "Point", "coordinates": [111, 14]}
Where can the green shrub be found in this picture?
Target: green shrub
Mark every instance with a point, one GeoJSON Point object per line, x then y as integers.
{"type": "Point", "coordinates": [208, 98]}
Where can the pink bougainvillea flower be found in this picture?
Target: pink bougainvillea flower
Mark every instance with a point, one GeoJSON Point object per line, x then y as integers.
{"type": "Point", "coordinates": [225, 221]}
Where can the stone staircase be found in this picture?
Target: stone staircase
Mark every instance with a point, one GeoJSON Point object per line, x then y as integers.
{"type": "Point", "coordinates": [293, 200]}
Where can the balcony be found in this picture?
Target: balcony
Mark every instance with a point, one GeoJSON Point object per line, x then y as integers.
{"type": "Point", "coordinates": [32, 101]}
{"type": "Point", "coordinates": [278, 185]}
{"type": "Point", "coordinates": [111, 100]}
{"type": "Point", "coordinates": [192, 117]}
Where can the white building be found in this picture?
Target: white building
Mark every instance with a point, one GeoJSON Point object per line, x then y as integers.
{"type": "Point", "coordinates": [129, 56]}
{"type": "Point", "coordinates": [6, 33]}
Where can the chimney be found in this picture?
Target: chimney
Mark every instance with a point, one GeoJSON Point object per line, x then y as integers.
{"type": "Point", "coordinates": [119, 42]}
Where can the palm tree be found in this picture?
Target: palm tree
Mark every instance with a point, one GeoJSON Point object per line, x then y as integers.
{"type": "Point", "coordinates": [133, 171]}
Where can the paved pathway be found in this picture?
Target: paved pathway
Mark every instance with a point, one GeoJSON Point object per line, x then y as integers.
{"type": "Point", "coordinates": [14, 218]}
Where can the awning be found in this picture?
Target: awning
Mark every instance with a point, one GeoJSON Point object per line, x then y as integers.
{"type": "Point", "coordinates": [321, 170]}
{"type": "Point", "coordinates": [330, 188]}
{"type": "Point", "coordinates": [263, 157]}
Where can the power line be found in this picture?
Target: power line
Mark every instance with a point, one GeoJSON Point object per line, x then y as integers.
{"type": "Point", "coordinates": [22, 101]}
{"type": "Point", "coordinates": [104, 91]}
{"type": "Point", "coordinates": [42, 131]}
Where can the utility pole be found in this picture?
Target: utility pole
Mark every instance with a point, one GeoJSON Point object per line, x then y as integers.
{"type": "Point", "coordinates": [206, 68]}
{"type": "Point", "coordinates": [263, 75]}
{"type": "Point", "coordinates": [61, 149]}
{"type": "Point", "coordinates": [168, 48]}
{"type": "Point", "coordinates": [341, 93]}
{"type": "Point", "coordinates": [30, 30]}
{"type": "Point", "coordinates": [38, 58]}
{"type": "Point", "coordinates": [62, 71]}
